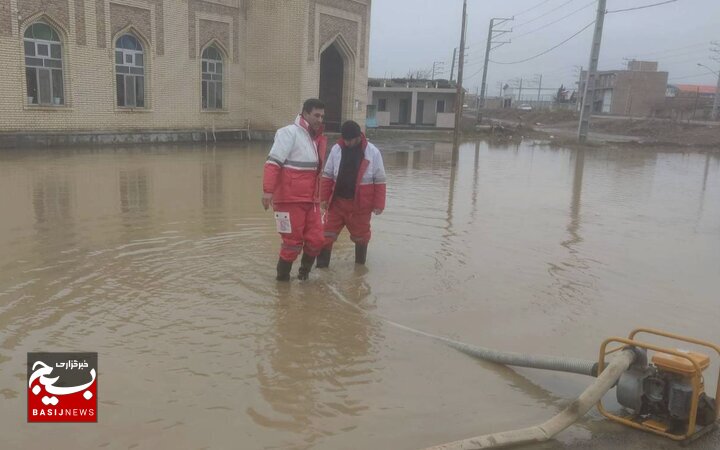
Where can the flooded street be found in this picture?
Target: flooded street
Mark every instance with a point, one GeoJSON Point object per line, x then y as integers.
{"type": "Point", "coordinates": [162, 260]}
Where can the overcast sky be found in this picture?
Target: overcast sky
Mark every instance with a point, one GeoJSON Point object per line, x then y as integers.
{"type": "Point", "coordinates": [412, 34]}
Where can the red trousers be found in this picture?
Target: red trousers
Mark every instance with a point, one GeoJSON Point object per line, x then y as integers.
{"type": "Point", "coordinates": [343, 213]}
{"type": "Point", "coordinates": [306, 233]}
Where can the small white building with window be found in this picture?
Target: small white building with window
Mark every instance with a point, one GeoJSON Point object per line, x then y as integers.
{"type": "Point", "coordinates": [406, 103]}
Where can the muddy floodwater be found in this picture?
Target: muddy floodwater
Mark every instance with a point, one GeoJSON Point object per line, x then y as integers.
{"type": "Point", "coordinates": [162, 260]}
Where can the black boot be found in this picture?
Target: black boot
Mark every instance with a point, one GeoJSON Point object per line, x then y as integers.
{"type": "Point", "coordinates": [306, 264]}
{"type": "Point", "coordinates": [360, 253]}
{"type": "Point", "coordinates": [283, 270]}
{"type": "Point", "coordinates": [323, 259]}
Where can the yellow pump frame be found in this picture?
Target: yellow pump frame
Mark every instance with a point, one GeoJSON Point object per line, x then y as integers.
{"type": "Point", "coordinates": [696, 379]}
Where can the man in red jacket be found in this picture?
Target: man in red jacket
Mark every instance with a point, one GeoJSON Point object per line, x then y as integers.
{"type": "Point", "coordinates": [291, 184]}
{"type": "Point", "coordinates": [353, 187]}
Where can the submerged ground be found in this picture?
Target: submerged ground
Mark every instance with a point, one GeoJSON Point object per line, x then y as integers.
{"type": "Point", "coordinates": [161, 259]}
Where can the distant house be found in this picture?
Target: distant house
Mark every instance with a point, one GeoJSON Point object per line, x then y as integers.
{"type": "Point", "coordinates": [638, 90]}
{"type": "Point", "coordinates": [411, 103]}
{"type": "Point", "coordinates": [692, 101]}
{"type": "Point", "coordinates": [684, 90]}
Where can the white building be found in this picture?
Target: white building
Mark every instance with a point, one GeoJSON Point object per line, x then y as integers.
{"type": "Point", "coordinates": [411, 104]}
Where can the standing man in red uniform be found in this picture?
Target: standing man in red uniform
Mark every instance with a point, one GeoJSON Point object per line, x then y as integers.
{"type": "Point", "coordinates": [353, 188]}
{"type": "Point", "coordinates": [291, 185]}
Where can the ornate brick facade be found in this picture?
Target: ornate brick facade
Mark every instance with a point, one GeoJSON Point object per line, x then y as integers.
{"type": "Point", "coordinates": [81, 36]}
{"type": "Point", "coordinates": [355, 7]}
{"type": "Point", "coordinates": [220, 31]}
{"type": "Point", "coordinates": [58, 11]}
{"type": "Point", "coordinates": [122, 16]}
{"type": "Point", "coordinates": [331, 26]}
{"type": "Point", "coordinates": [100, 22]}
{"type": "Point", "coordinates": [265, 79]}
{"type": "Point", "coordinates": [5, 18]}
{"type": "Point", "coordinates": [201, 6]}
{"type": "Point", "coordinates": [120, 12]}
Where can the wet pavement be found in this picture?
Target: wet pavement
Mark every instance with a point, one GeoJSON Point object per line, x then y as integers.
{"type": "Point", "coordinates": [161, 259]}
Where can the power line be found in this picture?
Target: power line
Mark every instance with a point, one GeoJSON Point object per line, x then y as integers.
{"type": "Point", "coordinates": [543, 15]}
{"type": "Point", "coordinates": [557, 20]}
{"type": "Point", "coordinates": [676, 63]}
{"type": "Point", "coordinates": [530, 9]}
{"type": "Point", "coordinates": [640, 7]}
{"type": "Point", "coordinates": [673, 49]}
{"type": "Point", "coordinates": [548, 50]}
{"type": "Point", "coordinates": [688, 76]}
{"type": "Point", "coordinates": [662, 59]}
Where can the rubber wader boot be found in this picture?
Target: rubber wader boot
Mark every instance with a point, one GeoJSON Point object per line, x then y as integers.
{"type": "Point", "coordinates": [323, 259]}
{"type": "Point", "coordinates": [283, 270]}
{"type": "Point", "coordinates": [306, 264]}
{"type": "Point", "coordinates": [360, 253]}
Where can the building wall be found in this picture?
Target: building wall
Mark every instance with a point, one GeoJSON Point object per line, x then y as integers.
{"type": "Point", "coordinates": [270, 53]}
{"type": "Point", "coordinates": [430, 106]}
{"type": "Point", "coordinates": [633, 93]}
{"type": "Point", "coordinates": [638, 93]}
{"type": "Point", "coordinates": [429, 103]}
{"type": "Point", "coordinates": [393, 103]}
{"type": "Point", "coordinates": [650, 66]}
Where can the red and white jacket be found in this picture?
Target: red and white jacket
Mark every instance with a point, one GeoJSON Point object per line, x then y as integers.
{"type": "Point", "coordinates": [292, 170]}
{"type": "Point", "coordinates": [370, 184]}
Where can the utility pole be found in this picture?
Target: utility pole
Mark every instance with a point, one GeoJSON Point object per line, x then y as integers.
{"type": "Point", "coordinates": [539, 82]}
{"type": "Point", "coordinates": [577, 91]}
{"type": "Point", "coordinates": [452, 68]}
{"type": "Point", "coordinates": [459, 92]}
{"type": "Point", "coordinates": [589, 94]}
{"type": "Point", "coordinates": [716, 102]}
{"type": "Point", "coordinates": [520, 91]}
{"type": "Point", "coordinates": [492, 34]}
{"type": "Point", "coordinates": [437, 66]}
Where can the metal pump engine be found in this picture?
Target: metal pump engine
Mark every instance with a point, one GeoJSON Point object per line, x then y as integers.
{"type": "Point", "coordinates": [665, 395]}
{"type": "Point", "coordinates": [661, 393]}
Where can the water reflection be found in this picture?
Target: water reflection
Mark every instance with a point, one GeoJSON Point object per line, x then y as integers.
{"type": "Point", "coordinates": [51, 199]}
{"type": "Point", "coordinates": [212, 185]}
{"type": "Point", "coordinates": [134, 190]}
{"type": "Point", "coordinates": [476, 170]}
{"type": "Point", "coordinates": [321, 352]}
{"type": "Point", "coordinates": [569, 274]}
{"type": "Point", "coordinates": [52, 202]}
{"type": "Point", "coordinates": [577, 184]}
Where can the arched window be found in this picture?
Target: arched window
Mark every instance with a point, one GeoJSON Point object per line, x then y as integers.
{"type": "Point", "coordinates": [43, 65]}
{"type": "Point", "coordinates": [129, 72]}
{"type": "Point", "coordinates": [212, 78]}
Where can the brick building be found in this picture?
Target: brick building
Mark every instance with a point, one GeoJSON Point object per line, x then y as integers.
{"type": "Point", "coordinates": [637, 91]}
{"type": "Point", "coordinates": [139, 70]}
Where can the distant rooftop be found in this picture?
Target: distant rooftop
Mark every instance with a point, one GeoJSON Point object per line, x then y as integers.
{"type": "Point", "coordinates": [411, 82]}
{"type": "Point", "coordinates": [699, 88]}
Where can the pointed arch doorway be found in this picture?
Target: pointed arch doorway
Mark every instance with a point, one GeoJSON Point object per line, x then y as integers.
{"type": "Point", "coordinates": [336, 78]}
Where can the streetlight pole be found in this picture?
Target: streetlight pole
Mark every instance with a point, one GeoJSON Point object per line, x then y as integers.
{"type": "Point", "coordinates": [716, 103]}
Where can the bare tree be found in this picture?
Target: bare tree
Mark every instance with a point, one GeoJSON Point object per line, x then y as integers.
{"type": "Point", "coordinates": [418, 74]}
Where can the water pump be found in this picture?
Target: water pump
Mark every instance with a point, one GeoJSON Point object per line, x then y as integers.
{"type": "Point", "coordinates": [665, 395]}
